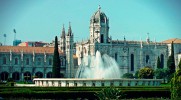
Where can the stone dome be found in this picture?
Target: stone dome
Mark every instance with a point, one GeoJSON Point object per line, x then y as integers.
{"type": "Point", "coordinates": [99, 16]}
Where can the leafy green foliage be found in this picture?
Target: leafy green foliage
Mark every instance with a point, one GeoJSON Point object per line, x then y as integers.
{"type": "Point", "coordinates": [146, 73]}
{"type": "Point", "coordinates": [176, 85]}
{"type": "Point", "coordinates": [158, 62]}
{"type": "Point", "coordinates": [136, 74]}
{"type": "Point", "coordinates": [179, 65]}
{"type": "Point", "coordinates": [171, 61]}
{"type": "Point", "coordinates": [128, 75]}
{"type": "Point", "coordinates": [56, 61]}
{"type": "Point", "coordinates": [161, 73]}
{"type": "Point", "coordinates": [109, 94]}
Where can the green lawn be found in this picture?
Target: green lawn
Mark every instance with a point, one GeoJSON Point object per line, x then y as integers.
{"type": "Point", "coordinates": [81, 92]}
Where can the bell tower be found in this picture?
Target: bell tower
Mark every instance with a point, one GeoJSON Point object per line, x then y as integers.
{"type": "Point", "coordinates": [99, 27]}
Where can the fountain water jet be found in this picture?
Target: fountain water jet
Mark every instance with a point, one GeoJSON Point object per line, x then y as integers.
{"type": "Point", "coordinates": [98, 67]}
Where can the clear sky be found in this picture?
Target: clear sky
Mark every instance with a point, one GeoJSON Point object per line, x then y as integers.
{"type": "Point", "coordinates": [42, 20]}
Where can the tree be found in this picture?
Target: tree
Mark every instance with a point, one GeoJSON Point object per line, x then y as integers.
{"type": "Point", "coordinates": [158, 62]}
{"type": "Point", "coordinates": [56, 61]}
{"type": "Point", "coordinates": [179, 65]}
{"type": "Point", "coordinates": [136, 74]}
{"type": "Point", "coordinates": [161, 73]}
{"type": "Point", "coordinates": [171, 61]}
{"type": "Point", "coordinates": [128, 75]}
{"type": "Point", "coordinates": [176, 85]}
{"type": "Point", "coordinates": [146, 73]}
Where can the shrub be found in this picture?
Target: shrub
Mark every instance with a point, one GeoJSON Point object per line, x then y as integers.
{"type": "Point", "coordinates": [146, 73]}
{"type": "Point", "coordinates": [128, 75]}
{"type": "Point", "coordinates": [109, 93]}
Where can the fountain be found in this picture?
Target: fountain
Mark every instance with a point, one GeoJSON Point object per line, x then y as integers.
{"type": "Point", "coordinates": [96, 71]}
{"type": "Point", "coordinates": [98, 67]}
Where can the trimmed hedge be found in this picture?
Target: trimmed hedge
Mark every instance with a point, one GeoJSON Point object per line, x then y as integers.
{"type": "Point", "coordinates": [80, 92]}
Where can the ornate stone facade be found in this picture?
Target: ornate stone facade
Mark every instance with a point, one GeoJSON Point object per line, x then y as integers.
{"type": "Point", "coordinates": [130, 55]}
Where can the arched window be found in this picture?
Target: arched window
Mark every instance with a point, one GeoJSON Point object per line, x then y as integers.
{"type": "Point", "coordinates": [4, 60]}
{"type": "Point", "coordinates": [27, 76]}
{"type": "Point", "coordinates": [16, 61]}
{"type": "Point", "coordinates": [4, 75]}
{"type": "Point", "coordinates": [50, 62]}
{"type": "Point", "coordinates": [147, 58]}
{"type": "Point", "coordinates": [116, 56]}
{"type": "Point", "coordinates": [102, 38]}
{"type": "Point", "coordinates": [15, 76]}
{"type": "Point", "coordinates": [49, 75]}
{"type": "Point", "coordinates": [39, 74]}
{"type": "Point", "coordinates": [27, 61]}
{"type": "Point", "coordinates": [132, 62]}
{"type": "Point", "coordinates": [162, 60]}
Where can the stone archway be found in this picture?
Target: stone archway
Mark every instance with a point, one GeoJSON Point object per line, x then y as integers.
{"type": "Point", "coordinates": [4, 75]}
{"type": "Point", "coordinates": [15, 76]}
{"type": "Point", "coordinates": [27, 76]}
{"type": "Point", "coordinates": [49, 75]}
{"type": "Point", "coordinates": [39, 74]}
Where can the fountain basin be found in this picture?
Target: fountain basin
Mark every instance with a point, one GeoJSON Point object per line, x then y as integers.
{"type": "Point", "coordinates": [82, 82]}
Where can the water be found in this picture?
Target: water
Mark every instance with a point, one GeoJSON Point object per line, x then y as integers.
{"type": "Point", "coordinates": [98, 67]}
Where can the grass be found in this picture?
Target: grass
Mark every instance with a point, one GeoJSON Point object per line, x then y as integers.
{"type": "Point", "coordinates": [76, 92]}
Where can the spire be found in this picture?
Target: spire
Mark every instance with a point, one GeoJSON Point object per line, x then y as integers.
{"type": "Point", "coordinates": [99, 7]}
{"type": "Point", "coordinates": [155, 43]}
{"type": "Point", "coordinates": [141, 43]}
{"type": "Point", "coordinates": [69, 30]}
{"type": "Point", "coordinates": [63, 32]}
{"type": "Point", "coordinates": [124, 38]}
{"type": "Point", "coordinates": [148, 38]}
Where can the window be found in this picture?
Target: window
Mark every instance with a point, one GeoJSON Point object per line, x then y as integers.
{"type": "Point", "coordinates": [116, 56]}
{"type": "Point", "coordinates": [147, 58]}
{"type": "Point", "coordinates": [16, 61]}
{"type": "Point", "coordinates": [50, 62]}
{"type": "Point", "coordinates": [132, 62]}
{"type": "Point", "coordinates": [162, 60]}
{"type": "Point", "coordinates": [4, 60]}
{"type": "Point", "coordinates": [39, 61]}
{"type": "Point", "coordinates": [27, 61]}
{"type": "Point", "coordinates": [102, 38]}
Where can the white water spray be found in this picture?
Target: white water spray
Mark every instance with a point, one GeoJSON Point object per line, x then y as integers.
{"type": "Point", "coordinates": [98, 67]}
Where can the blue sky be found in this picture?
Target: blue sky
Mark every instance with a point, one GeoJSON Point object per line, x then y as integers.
{"type": "Point", "coordinates": [42, 20]}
